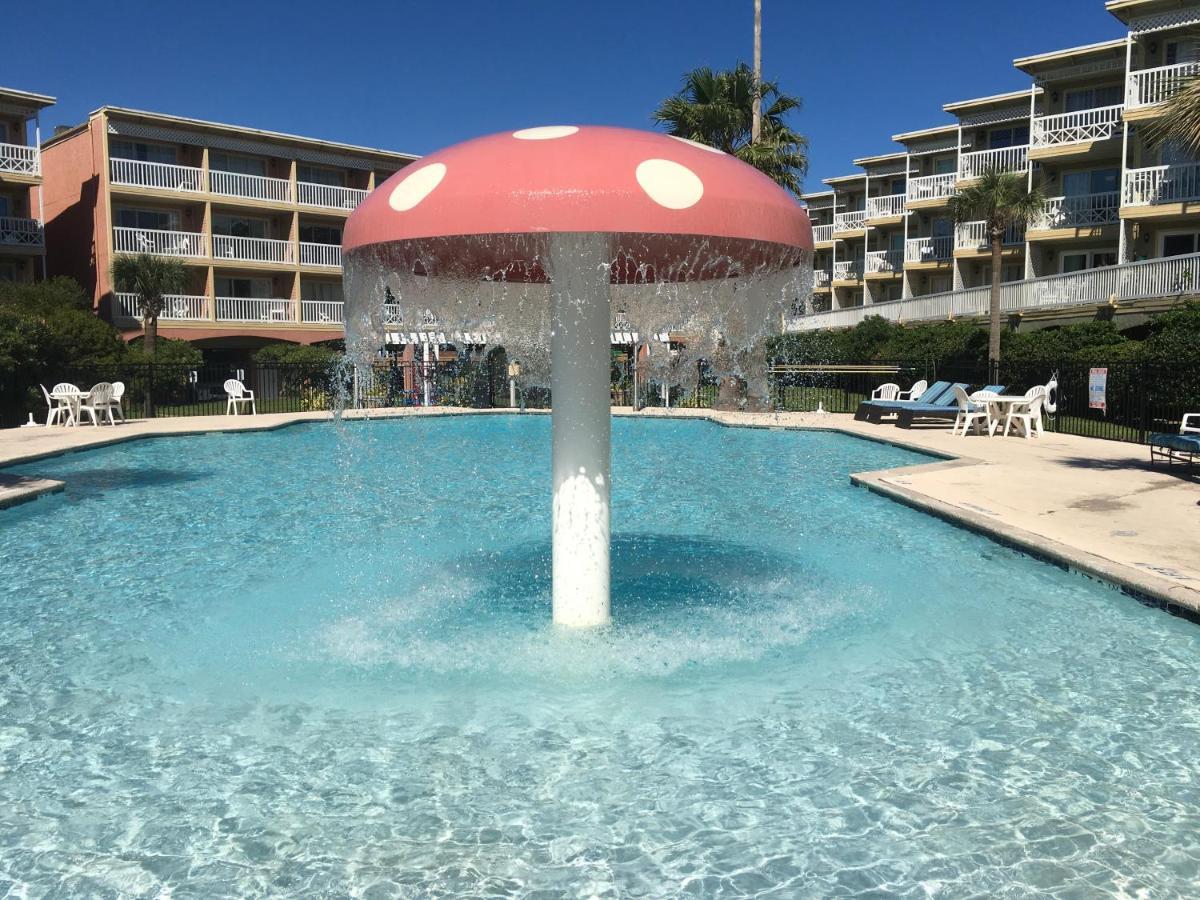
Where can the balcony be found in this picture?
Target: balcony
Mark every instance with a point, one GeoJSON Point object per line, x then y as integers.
{"type": "Point", "coordinates": [1083, 211]}
{"type": "Point", "coordinates": [329, 255]}
{"type": "Point", "coordinates": [1149, 87]}
{"type": "Point", "coordinates": [821, 278]}
{"type": "Point", "coordinates": [1076, 127]}
{"type": "Point", "coordinates": [19, 159]}
{"type": "Point", "coordinates": [822, 234]}
{"type": "Point", "coordinates": [250, 187]}
{"type": "Point", "coordinates": [176, 307]}
{"type": "Point", "coordinates": [889, 207]}
{"type": "Point", "coordinates": [18, 232]}
{"type": "Point", "coordinates": [1006, 159]}
{"type": "Point", "coordinates": [850, 221]}
{"type": "Point", "coordinates": [158, 176]}
{"type": "Point", "coordinates": [848, 270]}
{"type": "Point", "coordinates": [255, 309]}
{"type": "Point", "coordinates": [391, 314]}
{"type": "Point", "coordinates": [1157, 185]}
{"type": "Point", "coordinates": [974, 236]}
{"type": "Point", "coordinates": [931, 187]}
{"type": "Point", "coordinates": [328, 196]}
{"type": "Point", "coordinates": [928, 249]}
{"type": "Point", "coordinates": [885, 262]}
{"type": "Point", "coordinates": [248, 249]}
{"type": "Point", "coordinates": [324, 312]}
{"type": "Point", "coordinates": [158, 242]}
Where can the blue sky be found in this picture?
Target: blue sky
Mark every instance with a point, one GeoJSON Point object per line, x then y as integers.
{"type": "Point", "coordinates": [415, 75]}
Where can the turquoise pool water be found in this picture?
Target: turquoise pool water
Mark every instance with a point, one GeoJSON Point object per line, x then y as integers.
{"type": "Point", "coordinates": [317, 662]}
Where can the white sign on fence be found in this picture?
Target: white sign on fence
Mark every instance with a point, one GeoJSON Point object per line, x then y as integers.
{"type": "Point", "coordinates": [1098, 389]}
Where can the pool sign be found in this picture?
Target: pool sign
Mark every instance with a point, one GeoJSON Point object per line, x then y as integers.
{"type": "Point", "coordinates": [1097, 389]}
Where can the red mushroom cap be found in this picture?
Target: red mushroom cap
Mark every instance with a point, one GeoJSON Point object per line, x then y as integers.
{"type": "Point", "coordinates": [676, 210]}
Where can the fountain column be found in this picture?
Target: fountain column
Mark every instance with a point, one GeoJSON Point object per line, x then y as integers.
{"type": "Point", "coordinates": [580, 374]}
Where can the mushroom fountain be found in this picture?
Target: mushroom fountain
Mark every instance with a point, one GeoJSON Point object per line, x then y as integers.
{"type": "Point", "coordinates": [533, 237]}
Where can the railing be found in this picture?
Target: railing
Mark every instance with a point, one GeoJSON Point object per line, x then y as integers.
{"type": "Point", "coordinates": [928, 249]}
{"type": "Point", "coordinates": [884, 261]}
{"type": "Point", "coordinates": [323, 311]}
{"type": "Point", "coordinates": [163, 176]}
{"type": "Point", "coordinates": [228, 246]}
{"type": "Point", "coordinates": [20, 159]}
{"type": "Point", "coordinates": [975, 236]}
{"type": "Point", "coordinates": [931, 187]}
{"type": "Point", "coordinates": [1079, 211]}
{"type": "Point", "coordinates": [176, 307]}
{"type": "Point", "coordinates": [850, 221]}
{"type": "Point", "coordinates": [1006, 159]}
{"type": "Point", "coordinates": [328, 195]}
{"type": "Point", "coordinates": [1098, 124]}
{"type": "Point", "coordinates": [158, 242]}
{"type": "Point", "coordinates": [254, 187]}
{"type": "Point", "coordinates": [1162, 184]}
{"type": "Point", "coordinates": [822, 233]}
{"type": "Point", "coordinates": [1149, 87]}
{"type": "Point", "coordinates": [254, 309]}
{"type": "Point", "coordinates": [1168, 277]}
{"type": "Point", "coordinates": [321, 255]}
{"type": "Point", "coordinates": [821, 277]}
{"type": "Point", "coordinates": [391, 314]}
{"type": "Point", "coordinates": [847, 270]}
{"type": "Point", "coordinates": [21, 232]}
{"type": "Point", "coordinates": [885, 207]}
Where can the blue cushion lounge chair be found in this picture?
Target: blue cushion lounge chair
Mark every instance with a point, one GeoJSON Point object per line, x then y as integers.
{"type": "Point", "coordinates": [875, 410]}
{"type": "Point", "coordinates": [1182, 448]}
{"type": "Point", "coordinates": [944, 408]}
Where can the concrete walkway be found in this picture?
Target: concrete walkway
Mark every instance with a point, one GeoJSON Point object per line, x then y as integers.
{"type": "Point", "coordinates": [1096, 506]}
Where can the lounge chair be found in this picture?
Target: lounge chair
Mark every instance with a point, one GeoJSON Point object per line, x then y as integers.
{"type": "Point", "coordinates": [1183, 447]}
{"type": "Point", "coordinates": [875, 410]}
{"type": "Point", "coordinates": [944, 407]}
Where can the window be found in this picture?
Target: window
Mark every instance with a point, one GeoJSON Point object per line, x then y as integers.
{"type": "Point", "coordinates": [4, 133]}
{"type": "Point", "coordinates": [940, 284]}
{"type": "Point", "coordinates": [1179, 244]}
{"type": "Point", "coordinates": [899, 186]}
{"type": "Point", "coordinates": [891, 292]}
{"type": "Point", "coordinates": [1097, 181]}
{"type": "Point", "coordinates": [1086, 259]}
{"type": "Point", "coordinates": [1174, 153]}
{"type": "Point", "coordinates": [325, 291]}
{"type": "Point", "coordinates": [4, 207]}
{"type": "Point", "coordinates": [243, 287]}
{"type": "Point", "coordinates": [157, 153]}
{"type": "Point", "coordinates": [1012, 272]}
{"type": "Point", "coordinates": [239, 226]}
{"type": "Point", "coordinates": [320, 234]}
{"type": "Point", "coordinates": [896, 242]}
{"type": "Point", "coordinates": [945, 166]}
{"type": "Point", "coordinates": [1009, 136]}
{"type": "Point", "coordinates": [160, 219]}
{"type": "Point", "coordinates": [318, 175]}
{"type": "Point", "coordinates": [241, 165]}
{"type": "Point", "coordinates": [1092, 98]}
{"type": "Point", "coordinates": [1182, 51]}
{"type": "Point", "coordinates": [942, 227]}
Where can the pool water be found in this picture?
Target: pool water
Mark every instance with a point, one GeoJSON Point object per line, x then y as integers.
{"type": "Point", "coordinates": [318, 662]}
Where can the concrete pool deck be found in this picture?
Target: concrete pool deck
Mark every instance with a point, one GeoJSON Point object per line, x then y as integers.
{"type": "Point", "coordinates": [1092, 505]}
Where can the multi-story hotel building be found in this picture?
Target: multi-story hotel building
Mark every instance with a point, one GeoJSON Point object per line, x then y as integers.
{"type": "Point", "coordinates": [22, 242]}
{"type": "Point", "coordinates": [256, 216]}
{"type": "Point", "coordinates": [1122, 217]}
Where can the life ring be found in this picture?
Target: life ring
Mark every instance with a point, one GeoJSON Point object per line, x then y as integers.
{"type": "Point", "coordinates": [1050, 404]}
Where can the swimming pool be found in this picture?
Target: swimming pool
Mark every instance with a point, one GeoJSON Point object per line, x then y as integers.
{"type": "Point", "coordinates": [317, 661]}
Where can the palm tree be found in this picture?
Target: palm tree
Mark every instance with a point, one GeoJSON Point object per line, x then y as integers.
{"type": "Point", "coordinates": [717, 109]}
{"type": "Point", "coordinates": [152, 278]}
{"type": "Point", "coordinates": [1000, 200]}
{"type": "Point", "coordinates": [1179, 123]}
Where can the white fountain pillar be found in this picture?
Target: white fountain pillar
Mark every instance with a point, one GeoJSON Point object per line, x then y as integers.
{"type": "Point", "coordinates": [580, 363]}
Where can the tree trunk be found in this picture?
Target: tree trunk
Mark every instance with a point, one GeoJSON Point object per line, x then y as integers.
{"type": "Point", "coordinates": [756, 121]}
{"type": "Point", "coordinates": [994, 308]}
{"type": "Point", "coordinates": [150, 326]}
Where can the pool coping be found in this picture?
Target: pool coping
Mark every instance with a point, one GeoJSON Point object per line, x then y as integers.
{"type": "Point", "coordinates": [890, 483]}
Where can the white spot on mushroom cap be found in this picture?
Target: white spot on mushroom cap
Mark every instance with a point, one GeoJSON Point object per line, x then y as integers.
{"type": "Point", "coordinates": [696, 144]}
{"type": "Point", "coordinates": [669, 184]}
{"type": "Point", "coordinates": [416, 186]}
{"type": "Point", "coordinates": [545, 132]}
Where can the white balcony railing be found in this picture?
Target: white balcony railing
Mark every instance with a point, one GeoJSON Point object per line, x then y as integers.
{"type": "Point", "coordinates": [821, 278]}
{"type": "Point", "coordinates": [931, 187]}
{"type": "Point", "coordinates": [1149, 87]}
{"type": "Point", "coordinates": [20, 159]}
{"type": "Point", "coordinates": [19, 232]}
{"type": "Point", "coordinates": [328, 196]}
{"type": "Point", "coordinates": [391, 314]}
{"type": "Point", "coordinates": [822, 233]}
{"type": "Point", "coordinates": [158, 242]}
{"type": "Point", "coordinates": [1081, 211]}
{"type": "Point", "coordinates": [1150, 279]}
{"type": "Point", "coordinates": [975, 236]}
{"type": "Point", "coordinates": [321, 255]}
{"type": "Point", "coordinates": [886, 207]}
{"type": "Point", "coordinates": [176, 307]}
{"type": "Point", "coordinates": [850, 221]}
{"type": "Point", "coordinates": [248, 249]}
{"type": "Point", "coordinates": [879, 261]}
{"type": "Point", "coordinates": [255, 309]}
{"type": "Point", "coordinates": [162, 176]}
{"type": "Point", "coordinates": [1098, 124]}
{"type": "Point", "coordinates": [253, 187]}
{"type": "Point", "coordinates": [928, 249]}
{"type": "Point", "coordinates": [1162, 184]}
{"type": "Point", "coordinates": [1006, 159]}
{"type": "Point", "coordinates": [321, 311]}
{"type": "Point", "coordinates": [848, 270]}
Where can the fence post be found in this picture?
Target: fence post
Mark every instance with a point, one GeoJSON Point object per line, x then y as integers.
{"type": "Point", "coordinates": [149, 390]}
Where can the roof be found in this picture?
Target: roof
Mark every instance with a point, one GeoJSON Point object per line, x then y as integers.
{"type": "Point", "coordinates": [27, 98]}
{"type": "Point", "coordinates": [936, 131]}
{"type": "Point", "coordinates": [238, 130]}
{"type": "Point", "coordinates": [1131, 9]}
{"type": "Point", "coordinates": [1030, 64]}
{"type": "Point", "coordinates": [881, 158]}
{"type": "Point", "coordinates": [995, 100]}
{"type": "Point", "coordinates": [841, 179]}
{"type": "Point", "coordinates": [816, 195]}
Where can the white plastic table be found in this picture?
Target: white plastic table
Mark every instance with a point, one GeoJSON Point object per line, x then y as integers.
{"type": "Point", "coordinates": [74, 399]}
{"type": "Point", "coordinates": [1000, 406]}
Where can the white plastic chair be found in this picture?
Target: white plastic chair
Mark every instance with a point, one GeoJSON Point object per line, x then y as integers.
{"type": "Point", "coordinates": [1028, 415]}
{"type": "Point", "coordinates": [115, 405]}
{"type": "Point", "coordinates": [887, 391]}
{"type": "Point", "coordinates": [1184, 427]}
{"type": "Point", "coordinates": [918, 388]}
{"type": "Point", "coordinates": [972, 411]}
{"type": "Point", "coordinates": [56, 407]}
{"type": "Point", "coordinates": [236, 393]}
{"type": "Point", "coordinates": [68, 395]}
{"type": "Point", "coordinates": [99, 402]}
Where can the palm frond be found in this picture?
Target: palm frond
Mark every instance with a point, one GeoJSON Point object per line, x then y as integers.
{"type": "Point", "coordinates": [1180, 120]}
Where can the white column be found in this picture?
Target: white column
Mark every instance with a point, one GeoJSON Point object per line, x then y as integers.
{"type": "Point", "coordinates": [580, 364]}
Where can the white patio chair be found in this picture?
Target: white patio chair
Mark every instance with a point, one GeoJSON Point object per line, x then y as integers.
{"type": "Point", "coordinates": [115, 405]}
{"type": "Point", "coordinates": [99, 402]}
{"type": "Point", "coordinates": [56, 408]}
{"type": "Point", "coordinates": [887, 391]}
{"type": "Point", "coordinates": [67, 395]}
{"type": "Point", "coordinates": [1028, 415]}
{"type": "Point", "coordinates": [972, 411]}
{"type": "Point", "coordinates": [918, 388]}
{"type": "Point", "coordinates": [236, 393]}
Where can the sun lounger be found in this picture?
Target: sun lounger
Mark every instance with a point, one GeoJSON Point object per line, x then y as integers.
{"type": "Point", "coordinates": [945, 407]}
{"type": "Point", "coordinates": [1183, 447]}
{"type": "Point", "coordinates": [875, 410]}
